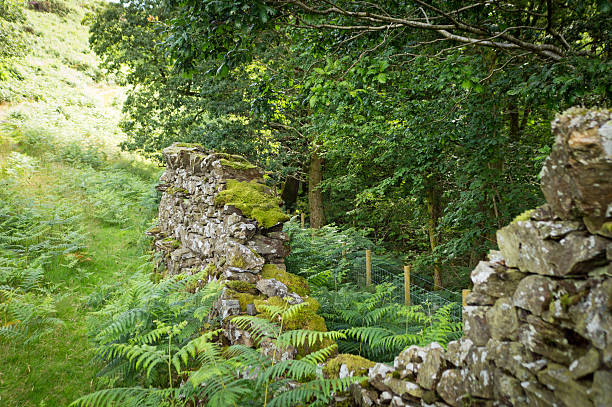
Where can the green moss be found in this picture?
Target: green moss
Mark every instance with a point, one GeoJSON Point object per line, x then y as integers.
{"type": "Point", "coordinates": [254, 202]}
{"type": "Point", "coordinates": [523, 216]}
{"type": "Point", "coordinates": [240, 286]}
{"type": "Point", "coordinates": [354, 363]}
{"type": "Point", "coordinates": [175, 190]}
{"type": "Point", "coordinates": [173, 242]}
{"type": "Point", "coordinates": [244, 298]}
{"type": "Point", "coordinates": [237, 165]}
{"type": "Point", "coordinates": [210, 269]}
{"type": "Point", "coordinates": [238, 261]}
{"type": "Point", "coordinates": [296, 284]}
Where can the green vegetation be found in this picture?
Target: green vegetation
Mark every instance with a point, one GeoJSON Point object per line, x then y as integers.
{"type": "Point", "coordinates": [295, 283]}
{"type": "Point", "coordinates": [356, 364]}
{"type": "Point", "coordinates": [254, 200]}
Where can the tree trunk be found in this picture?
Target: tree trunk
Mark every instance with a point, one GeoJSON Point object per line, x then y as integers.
{"type": "Point", "coordinates": [433, 210]}
{"type": "Point", "coordinates": [290, 191]}
{"type": "Point", "coordinates": [315, 197]}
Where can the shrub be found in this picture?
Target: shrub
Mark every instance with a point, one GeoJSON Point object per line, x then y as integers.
{"type": "Point", "coordinates": [50, 6]}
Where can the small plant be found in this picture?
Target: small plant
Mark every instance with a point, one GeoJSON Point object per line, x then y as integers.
{"type": "Point", "coordinates": [50, 6]}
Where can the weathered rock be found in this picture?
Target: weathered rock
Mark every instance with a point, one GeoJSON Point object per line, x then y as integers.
{"type": "Point", "coordinates": [451, 386]}
{"type": "Point", "coordinates": [237, 336]}
{"type": "Point", "coordinates": [431, 369]}
{"type": "Point", "coordinates": [508, 390]}
{"type": "Point", "coordinates": [235, 273]}
{"type": "Point", "coordinates": [268, 348]}
{"type": "Point", "coordinates": [251, 309]}
{"type": "Point", "coordinates": [534, 294]}
{"type": "Point", "coordinates": [475, 325]}
{"type": "Point", "coordinates": [377, 374]}
{"type": "Point", "coordinates": [592, 317]}
{"type": "Point", "coordinates": [548, 340]}
{"type": "Point", "coordinates": [512, 357]}
{"type": "Point", "coordinates": [362, 397]}
{"type": "Point", "coordinates": [385, 397]}
{"type": "Point", "coordinates": [229, 308]}
{"type": "Point", "coordinates": [541, 248]}
{"type": "Point", "coordinates": [502, 320]}
{"type": "Point", "coordinates": [599, 226]}
{"type": "Point", "coordinates": [539, 396]}
{"type": "Point", "coordinates": [494, 279]}
{"type": "Point", "coordinates": [586, 364]}
{"type": "Point", "coordinates": [477, 374]}
{"type": "Point", "coordinates": [577, 177]}
{"type": "Point", "coordinates": [479, 298]}
{"type": "Point", "coordinates": [601, 391]}
{"type": "Point", "coordinates": [559, 380]}
{"type": "Point", "coordinates": [458, 351]}
{"type": "Point", "coordinates": [403, 388]}
{"type": "Point", "coordinates": [272, 288]}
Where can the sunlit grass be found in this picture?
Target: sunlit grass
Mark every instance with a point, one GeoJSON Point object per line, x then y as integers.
{"type": "Point", "coordinates": [63, 99]}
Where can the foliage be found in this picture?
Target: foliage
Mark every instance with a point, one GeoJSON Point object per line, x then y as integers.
{"type": "Point", "coordinates": [154, 341]}
{"type": "Point", "coordinates": [50, 6]}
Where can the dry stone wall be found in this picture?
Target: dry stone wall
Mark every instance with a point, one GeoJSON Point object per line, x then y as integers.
{"type": "Point", "coordinates": [216, 216]}
{"type": "Point", "coordinates": [538, 324]}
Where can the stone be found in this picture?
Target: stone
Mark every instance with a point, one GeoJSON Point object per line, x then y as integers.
{"type": "Point", "coordinates": [385, 397]}
{"type": "Point", "coordinates": [512, 357]}
{"type": "Point", "coordinates": [229, 308]}
{"type": "Point", "coordinates": [451, 386]}
{"type": "Point", "coordinates": [502, 320]}
{"type": "Point", "coordinates": [477, 374]}
{"type": "Point", "coordinates": [538, 396]}
{"type": "Point", "coordinates": [431, 369]}
{"type": "Point", "coordinates": [478, 298]}
{"type": "Point", "coordinates": [577, 177]}
{"type": "Point", "coordinates": [586, 364]}
{"type": "Point", "coordinates": [475, 325]}
{"type": "Point", "coordinates": [403, 388]}
{"type": "Point", "coordinates": [599, 226]}
{"type": "Point", "coordinates": [534, 294]}
{"type": "Point", "coordinates": [601, 391]}
{"type": "Point", "coordinates": [377, 374]}
{"type": "Point", "coordinates": [548, 340]}
{"type": "Point", "coordinates": [235, 273]}
{"type": "Point", "coordinates": [241, 256]}
{"type": "Point", "coordinates": [361, 396]}
{"type": "Point", "coordinates": [251, 310]}
{"type": "Point", "coordinates": [458, 351]}
{"type": "Point", "coordinates": [272, 288]}
{"type": "Point", "coordinates": [269, 247]}
{"type": "Point", "coordinates": [495, 279]}
{"type": "Point", "coordinates": [541, 248]}
{"type": "Point", "coordinates": [559, 380]}
{"type": "Point", "coordinates": [508, 390]}
{"type": "Point", "coordinates": [237, 336]}
{"type": "Point", "coordinates": [591, 317]}
{"type": "Point", "coordinates": [398, 402]}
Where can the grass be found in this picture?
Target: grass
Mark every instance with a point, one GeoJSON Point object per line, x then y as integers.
{"type": "Point", "coordinates": [61, 114]}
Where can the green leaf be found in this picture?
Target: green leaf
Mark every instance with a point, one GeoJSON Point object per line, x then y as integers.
{"type": "Point", "coordinates": [466, 84]}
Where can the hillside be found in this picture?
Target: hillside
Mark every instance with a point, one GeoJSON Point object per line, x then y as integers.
{"type": "Point", "coordinates": [73, 208]}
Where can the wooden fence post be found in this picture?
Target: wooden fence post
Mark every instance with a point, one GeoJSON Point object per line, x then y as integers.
{"type": "Point", "coordinates": [407, 285]}
{"type": "Point", "coordinates": [464, 294]}
{"type": "Point", "coordinates": [368, 268]}
{"type": "Point", "coordinates": [344, 250]}
{"type": "Point", "coordinates": [303, 220]}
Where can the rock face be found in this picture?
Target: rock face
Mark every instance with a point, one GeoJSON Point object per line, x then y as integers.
{"type": "Point", "coordinates": [218, 218]}
{"type": "Point", "coordinates": [538, 324]}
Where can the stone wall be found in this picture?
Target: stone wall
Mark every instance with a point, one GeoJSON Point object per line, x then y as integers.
{"type": "Point", "coordinates": [216, 216]}
{"type": "Point", "coordinates": [538, 325]}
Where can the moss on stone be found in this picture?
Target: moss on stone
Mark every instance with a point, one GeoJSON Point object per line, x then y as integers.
{"type": "Point", "coordinates": [175, 244]}
{"type": "Point", "coordinates": [238, 261]}
{"type": "Point", "coordinates": [176, 190]}
{"type": "Point", "coordinates": [237, 165]}
{"type": "Point", "coordinates": [305, 318]}
{"type": "Point", "coordinates": [252, 199]}
{"type": "Point", "coordinates": [296, 284]}
{"type": "Point", "coordinates": [189, 145]}
{"type": "Point", "coordinates": [210, 269]}
{"type": "Point", "coordinates": [244, 298]}
{"type": "Point", "coordinates": [523, 216]}
{"type": "Point", "coordinates": [240, 286]}
{"type": "Point", "coordinates": [356, 364]}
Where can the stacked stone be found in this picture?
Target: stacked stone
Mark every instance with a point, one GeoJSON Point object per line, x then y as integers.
{"type": "Point", "coordinates": [538, 325]}
{"type": "Point", "coordinates": [196, 233]}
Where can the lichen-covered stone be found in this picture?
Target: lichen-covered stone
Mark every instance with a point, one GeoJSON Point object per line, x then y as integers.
{"type": "Point", "coordinates": [559, 380]}
{"type": "Point", "coordinates": [502, 320]}
{"type": "Point", "coordinates": [475, 325]}
{"type": "Point", "coordinates": [592, 317]}
{"type": "Point", "coordinates": [494, 279]}
{"type": "Point", "coordinates": [534, 294]}
{"type": "Point", "coordinates": [508, 389]}
{"type": "Point", "coordinates": [545, 248]}
{"type": "Point", "coordinates": [549, 341]}
{"type": "Point", "coordinates": [577, 177]}
{"type": "Point", "coordinates": [451, 386]}
{"type": "Point", "coordinates": [601, 391]}
{"type": "Point", "coordinates": [432, 366]}
{"type": "Point", "coordinates": [458, 351]}
{"type": "Point", "coordinates": [586, 364]}
{"type": "Point", "coordinates": [295, 283]}
{"type": "Point", "coordinates": [539, 396]}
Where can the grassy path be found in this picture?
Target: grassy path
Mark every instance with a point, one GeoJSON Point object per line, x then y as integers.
{"type": "Point", "coordinates": [63, 117]}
